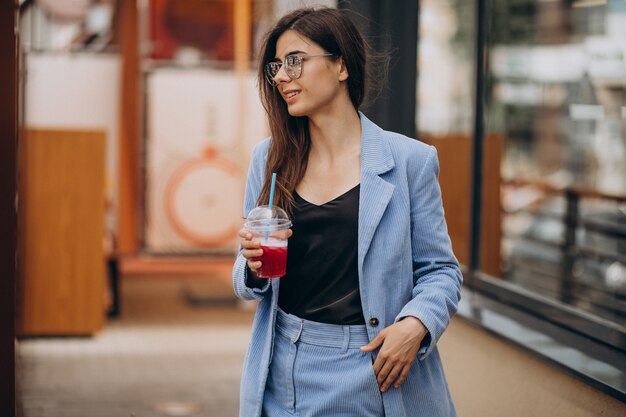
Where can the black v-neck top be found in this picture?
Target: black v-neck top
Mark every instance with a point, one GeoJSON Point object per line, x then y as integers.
{"type": "Point", "coordinates": [322, 281]}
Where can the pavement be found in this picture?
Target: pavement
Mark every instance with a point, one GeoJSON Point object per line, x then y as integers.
{"type": "Point", "coordinates": [176, 349]}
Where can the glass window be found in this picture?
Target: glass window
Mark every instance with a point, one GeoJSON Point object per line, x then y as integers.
{"type": "Point", "coordinates": [444, 109]}
{"type": "Point", "coordinates": [445, 67]}
{"type": "Point", "coordinates": [553, 193]}
{"type": "Point", "coordinates": [79, 26]}
{"type": "Point", "coordinates": [556, 96]}
{"type": "Point", "coordinates": [203, 31]}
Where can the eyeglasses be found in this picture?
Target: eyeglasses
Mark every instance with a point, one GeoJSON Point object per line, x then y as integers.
{"type": "Point", "coordinates": [292, 64]}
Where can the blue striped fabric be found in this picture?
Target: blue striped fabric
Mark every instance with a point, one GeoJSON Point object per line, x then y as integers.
{"type": "Point", "coordinates": [406, 268]}
{"type": "Point", "coordinates": [320, 334]}
{"type": "Point", "coordinates": [318, 370]}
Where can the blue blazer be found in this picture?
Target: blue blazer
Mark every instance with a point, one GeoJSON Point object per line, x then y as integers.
{"type": "Point", "coordinates": [405, 263]}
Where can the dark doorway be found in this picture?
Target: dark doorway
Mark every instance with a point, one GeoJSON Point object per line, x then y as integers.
{"type": "Point", "coordinates": [8, 215]}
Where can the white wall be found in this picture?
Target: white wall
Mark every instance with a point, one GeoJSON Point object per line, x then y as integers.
{"type": "Point", "coordinates": [76, 91]}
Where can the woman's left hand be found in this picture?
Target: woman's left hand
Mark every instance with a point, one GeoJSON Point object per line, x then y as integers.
{"type": "Point", "coordinates": [400, 343]}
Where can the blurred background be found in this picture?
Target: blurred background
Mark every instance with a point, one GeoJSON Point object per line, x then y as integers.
{"type": "Point", "coordinates": [134, 121]}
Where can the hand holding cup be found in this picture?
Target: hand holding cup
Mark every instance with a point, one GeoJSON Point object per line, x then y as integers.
{"type": "Point", "coordinates": [264, 241]}
{"type": "Point", "coordinates": [252, 248]}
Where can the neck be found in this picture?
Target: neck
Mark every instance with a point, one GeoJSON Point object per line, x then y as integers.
{"type": "Point", "coordinates": [336, 133]}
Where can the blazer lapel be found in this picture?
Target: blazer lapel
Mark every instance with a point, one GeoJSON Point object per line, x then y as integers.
{"type": "Point", "coordinates": [376, 159]}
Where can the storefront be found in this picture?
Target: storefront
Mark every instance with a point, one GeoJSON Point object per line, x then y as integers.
{"type": "Point", "coordinates": [531, 142]}
{"type": "Point", "coordinates": [543, 150]}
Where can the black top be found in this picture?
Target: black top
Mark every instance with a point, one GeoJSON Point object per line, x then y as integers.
{"type": "Point", "coordinates": [322, 282]}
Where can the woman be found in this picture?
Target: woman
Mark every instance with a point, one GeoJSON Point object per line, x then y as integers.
{"type": "Point", "coordinates": [371, 279]}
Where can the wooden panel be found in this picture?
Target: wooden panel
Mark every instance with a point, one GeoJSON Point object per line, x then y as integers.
{"type": "Point", "coordinates": [129, 133]}
{"type": "Point", "coordinates": [62, 212]}
{"type": "Point", "coordinates": [455, 155]}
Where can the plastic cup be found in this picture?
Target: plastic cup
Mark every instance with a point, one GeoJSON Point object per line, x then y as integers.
{"type": "Point", "coordinates": [270, 227]}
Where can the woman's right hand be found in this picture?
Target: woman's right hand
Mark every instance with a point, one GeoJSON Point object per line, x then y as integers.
{"type": "Point", "coordinates": [251, 249]}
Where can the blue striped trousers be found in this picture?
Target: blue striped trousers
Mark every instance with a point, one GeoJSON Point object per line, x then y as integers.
{"type": "Point", "coordinates": [317, 370]}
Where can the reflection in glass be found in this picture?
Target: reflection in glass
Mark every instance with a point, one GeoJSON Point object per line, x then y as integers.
{"type": "Point", "coordinates": [556, 93]}
{"type": "Point", "coordinates": [445, 67]}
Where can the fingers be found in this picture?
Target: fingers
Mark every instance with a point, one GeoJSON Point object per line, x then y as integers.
{"type": "Point", "coordinates": [399, 349]}
{"type": "Point", "coordinates": [251, 249]}
{"type": "Point", "coordinates": [390, 371]}
{"type": "Point", "coordinates": [375, 343]}
{"type": "Point", "coordinates": [384, 366]}
{"type": "Point", "coordinates": [393, 361]}
{"type": "Point", "coordinates": [247, 242]}
{"type": "Point", "coordinates": [254, 265]}
{"type": "Point", "coordinates": [246, 237]}
{"type": "Point", "coordinates": [387, 374]}
{"type": "Point", "coordinates": [387, 368]}
{"type": "Point", "coordinates": [403, 375]}
{"type": "Point", "coordinates": [393, 374]}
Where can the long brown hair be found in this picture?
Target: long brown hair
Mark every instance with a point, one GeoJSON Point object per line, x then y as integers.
{"type": "Point", "coordinates": [290, 144]}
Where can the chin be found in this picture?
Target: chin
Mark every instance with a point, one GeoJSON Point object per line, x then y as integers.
{"type": "Point", "coordinates": [302, 109]}
{"type": "Point", "coordinates": [296, 112]}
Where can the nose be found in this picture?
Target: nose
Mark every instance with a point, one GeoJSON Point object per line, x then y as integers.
{"type": "Point", "coordinates": [281, 75]}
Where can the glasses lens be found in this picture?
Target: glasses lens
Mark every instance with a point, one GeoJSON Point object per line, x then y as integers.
{"type": "Point", "coordinates": [271, 69]}
{"type": "Point", "coordinates": [293, 66]}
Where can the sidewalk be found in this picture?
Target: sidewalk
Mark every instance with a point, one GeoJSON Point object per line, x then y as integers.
{"type": "Point", "coordinates": [162, 356]}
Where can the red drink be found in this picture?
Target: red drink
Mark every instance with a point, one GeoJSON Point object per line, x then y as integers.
{"type": "Point", "coordinates": [270, 227]}
{"type": "Point", "coordinates": [273, 260]}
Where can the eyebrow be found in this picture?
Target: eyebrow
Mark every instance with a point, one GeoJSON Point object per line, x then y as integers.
{"type": "Point", "coordinates": [291, 53]}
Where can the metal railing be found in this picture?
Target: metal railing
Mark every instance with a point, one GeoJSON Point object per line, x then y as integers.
{"type": "Point", "coordinates": [596, 296]}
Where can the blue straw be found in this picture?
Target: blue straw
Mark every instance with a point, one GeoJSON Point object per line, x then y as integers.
{"type": "Point", "coordinates": [272, 187]}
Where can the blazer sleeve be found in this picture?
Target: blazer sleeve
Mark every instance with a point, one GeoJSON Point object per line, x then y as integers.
{"type": "Point", "coordinates": [253, 188]}
{"type": "Point", "coordinates": [437, 277]}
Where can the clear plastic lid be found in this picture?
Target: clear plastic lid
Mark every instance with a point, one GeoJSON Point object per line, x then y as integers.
{"type": "Point", "coordinates": [262, 219]}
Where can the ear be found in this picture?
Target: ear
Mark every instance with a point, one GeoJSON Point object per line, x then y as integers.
{"type": "Point", "coordinates": [343, 70]}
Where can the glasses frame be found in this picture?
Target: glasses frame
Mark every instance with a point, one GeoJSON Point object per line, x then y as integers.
{"type": "Point", "coordinates": [292, 65]}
